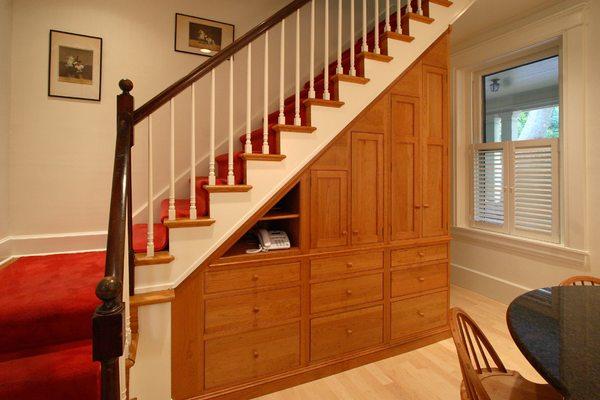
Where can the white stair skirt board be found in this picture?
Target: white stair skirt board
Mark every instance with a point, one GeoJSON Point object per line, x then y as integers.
{"type": "Point", "coordinates": [192, 246]}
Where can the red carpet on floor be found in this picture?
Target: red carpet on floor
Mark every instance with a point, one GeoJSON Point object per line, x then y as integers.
{"type": "Point", "coordinates": [46, 305]}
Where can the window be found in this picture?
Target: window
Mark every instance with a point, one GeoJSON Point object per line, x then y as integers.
{"type": "Point", "coordinates": [515, 163]}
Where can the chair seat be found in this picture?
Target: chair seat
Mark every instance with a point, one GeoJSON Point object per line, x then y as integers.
{"type": "Point", "coordinates": [512, 386]}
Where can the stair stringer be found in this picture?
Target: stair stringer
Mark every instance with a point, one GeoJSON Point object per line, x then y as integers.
{"type": "Point", "coordinates": [191, 246]}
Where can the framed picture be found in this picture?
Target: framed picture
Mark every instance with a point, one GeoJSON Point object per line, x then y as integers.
{"type": "Point", "coordinates": [75, 66]}
{"type": "Point", "coordinates": [201, 36]}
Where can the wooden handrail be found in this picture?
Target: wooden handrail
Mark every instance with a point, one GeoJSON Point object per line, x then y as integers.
{"type": "Point", "coordinates": [108, 320]}
{"type": "Point", "coordinates": [163, 97]}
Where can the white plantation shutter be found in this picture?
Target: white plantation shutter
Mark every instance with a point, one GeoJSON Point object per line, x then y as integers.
{"type": "Point", "coordinates": [488, 185]}
{"type": "Point", "coordinates": [534, 187]}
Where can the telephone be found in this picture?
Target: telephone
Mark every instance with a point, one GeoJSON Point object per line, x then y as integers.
{"type": "Point", "coordinates": [271, 240]}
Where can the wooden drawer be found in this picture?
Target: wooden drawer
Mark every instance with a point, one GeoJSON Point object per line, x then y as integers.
{"type": "Point", "coordinates": [345, 292]}
{"type": "Point", "coordinates": [254, 354]}
{"type": "Point", "coordinates": [419, 254]}
{"type": "Point", "coordinates": [346, 332]}
{"type": "Point", "coordinates": [335, 266]}
{"type": "Point", "coordinates": [419, 314]}
{"type": "Point", "coordinates": [418, 278]}
{"type": "Point", "coordinates": [251, 310]}
{"type": "Point", "coordinates": [252, 277]}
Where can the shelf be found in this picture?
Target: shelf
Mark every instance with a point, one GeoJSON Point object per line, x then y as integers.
{"type": "Point", "coordinates": [240, 247]}
{"type": "Point", "coordinates": [274, 216]}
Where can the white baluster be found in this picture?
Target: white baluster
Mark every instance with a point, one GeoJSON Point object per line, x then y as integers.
{"type": "Point", "coordinates": [193, 211]}
{"type": "Point", "coordinates": [265, 146]}
{"type": "Point", "coordinates": [399, 16]}
{"type": "Point", "coordinates": [387, 16]}
{"type": "Point", "coordinates": [326, 95]}
{"type": "Point", "coordinates": [352, 39]}
{"type": "Point", "coordinates": [211, 162]}
{"type": "Point", "coordinates": [340, 69]}
{"type": "Point", "coordinates": [172, 162]}
{"type": "Point", "coordinates": [377, 49]}
{"type": "Point", "coordinates": [150, 233]}
{"type": "Point", "coordinates": [311, 90]}
{"type": "Point", "coordinates": [281, 119]}
{"type": "Point", "coordinates": [230, 176]}
{"type": "Point", "coordinates": [365, 45]}
{"type": "Point", "coordinates": [297, 120]}
{"type": "Point", "coordinates": [248, 146]}
{"type": "Point", "coordinates": [419, 9]}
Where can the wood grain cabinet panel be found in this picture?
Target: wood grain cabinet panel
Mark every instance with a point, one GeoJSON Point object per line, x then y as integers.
{"type": "Point", "coordinates": [367, 188]}
{"type": "Point", "coordinates": [419, 254]}
{"type": "Point", "coordinates": [405, 167]}
{"type": "Point", "coordinates": [418, 278]}
{"type": "Point", "coordinates": [252, 310]}
{"type": "Point", "coordinates": [252, 277]}
{"type": "Point", "coordinates": [329, 208]}
{"type": "Point", "coordinates": [346, 332]}
{"type": "Point", "coordinates": [238, 358]}
{"type": "Point", "coordinates": [331, 295]}
{"type": "Point", "coordinates": [419, 314]}
{"type": "Point", "coordinates": [325, 268]}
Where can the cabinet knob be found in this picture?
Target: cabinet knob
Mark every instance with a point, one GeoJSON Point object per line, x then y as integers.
{"type": "Point", "coordinates": [349, 292]}
{"type": "Point", "coordinates": [420, 313]}
{"type": "Point", "coordinates": [254, 277]}
{"type": "Point", "coordinates": [349, 265]}
{"type": "Point", "coordinates": [255, 310]}
{"type": "Point", "coordinates": [426, 205]}
{"type": "Point", "coordinates": [355, 232]}
{"type": "Point", "coordinates": [421, 279]}
{"type": "Point", "coordinates": [421, 254]}
{"type": "Point", "coordinates": [349, 331]}
{"type": "Point", "coordinates": [255, 354]}
{"type": "Point", "coordinates": [344, 233]}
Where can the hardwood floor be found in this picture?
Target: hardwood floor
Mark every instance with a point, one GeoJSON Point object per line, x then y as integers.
{"type": "Point", "coordinates": [428, 373]}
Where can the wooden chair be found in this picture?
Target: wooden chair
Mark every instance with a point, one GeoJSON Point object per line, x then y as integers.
{"type": "Point", "coordinates": [581, 280]}
{"type": "Point", "coordinates": [484, 374]}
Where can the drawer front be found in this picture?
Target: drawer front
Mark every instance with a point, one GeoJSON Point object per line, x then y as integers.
{"type": "Point", "coordinates": [419, 314]}
{"type": "Point", "coordinates": [336, 266]}
{"type": "Point", "coordinates": [416, 279]}
{"type": "Point", "coordinates": [252, 277]}
{"type": "Point", "coordinates": [346, 332]}
{"type": "Point", "coordinates": [419, 254]}
{"type": "Point", "coordinates": [254, 354]}
{"type": "Point", "coordinates": [251, 310]}
{"type": "Point", "coordinates": [345, 292]}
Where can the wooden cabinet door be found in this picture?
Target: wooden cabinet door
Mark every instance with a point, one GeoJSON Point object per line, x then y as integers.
{"type": "Point", "coordinates": [367, 188]}
{"type": "Point", "coordinates": [405, 168]}
{"type": "Point", "coordinates": [329, 208]}
{"type": "Point", "coordinates": [435, 152]}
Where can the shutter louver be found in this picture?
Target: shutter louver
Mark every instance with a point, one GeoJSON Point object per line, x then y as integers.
{"type": "Point", "coordinates": [534, 189]}
{"type": "Point", "coordinates": [488, 202]}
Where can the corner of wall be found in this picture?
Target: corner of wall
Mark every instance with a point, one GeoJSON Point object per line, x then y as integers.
{"type": "Point", "coordinates": [5, 79]}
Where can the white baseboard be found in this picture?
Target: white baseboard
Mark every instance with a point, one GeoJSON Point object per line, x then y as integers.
{"type": "Point", "coordinates": [488, 285]}
{"type": "Point", "coordinates": [74, 242]}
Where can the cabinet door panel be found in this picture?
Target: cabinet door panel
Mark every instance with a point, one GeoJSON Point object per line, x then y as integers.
{"type": "Point", "coordinates": [329, 208]}
{"type": "Point", "coordinates": [405, 166]}
{"type": "Point", "coordinates": [367, 187]}
{"type": "Point", "coordinates": [435, 152]}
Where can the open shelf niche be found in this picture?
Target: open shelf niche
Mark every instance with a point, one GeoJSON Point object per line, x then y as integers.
{"type": "Point", "coordinates": [284, 216]}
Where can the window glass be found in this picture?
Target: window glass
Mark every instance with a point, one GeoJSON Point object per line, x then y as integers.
{"type": "Point", "coordinates": [522, 103]}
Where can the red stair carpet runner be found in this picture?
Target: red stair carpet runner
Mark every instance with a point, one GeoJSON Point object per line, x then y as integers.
{"type": "Point", "coordinates": [46, 306]}
{"type": "Point", "coordinates": [161, 238]}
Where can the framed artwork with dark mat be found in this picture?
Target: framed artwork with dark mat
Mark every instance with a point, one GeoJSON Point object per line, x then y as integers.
{"type": "Point", "coordinates": [75, 66]}
{"type": "Point", "coordinates": [201, 36]}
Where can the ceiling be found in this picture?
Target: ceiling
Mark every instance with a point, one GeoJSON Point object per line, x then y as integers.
{"type": "Point", "coordinates": [489, 14]}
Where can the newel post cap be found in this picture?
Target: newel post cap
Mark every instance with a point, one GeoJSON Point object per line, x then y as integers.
{"type": "Point", "coordinates": [126, 85]}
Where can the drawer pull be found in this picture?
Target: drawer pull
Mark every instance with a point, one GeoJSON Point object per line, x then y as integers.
{"type": "Point", "coordinates": [349, 265]}
{"type": "Point", "coordinates": [255, 310]}
{"type": "Point", "coordinates": [420, 313]}
{"type": "Point", "coordinates": [355, 232]}
{"type": "Point", "coordinates": [426, 205]}
{"type": "Point", "coordinates": [421, 279]}
{"type": "Point", "coordinates": [349, 292]}
{"type": "Point", "coordinates": [421, 254]}
{"type": "Point", "coordinates": [349, 331]}
{"type": "Point", "coordinates": [255, 354]}
{"type": "Point", "coordinates": [254, 277]}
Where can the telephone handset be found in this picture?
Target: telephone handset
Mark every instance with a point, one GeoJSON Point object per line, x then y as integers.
{"type": "Point", "coordinates": [271, 240]}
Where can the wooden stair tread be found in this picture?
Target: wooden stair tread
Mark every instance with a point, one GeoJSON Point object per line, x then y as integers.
{"type": "Point", "coordinates": [227, 188]}
{"type": "Point", "coordinates": [145, 299]}
{"type": "Point", "coordinates": [262, 157]}
{"type": "Point", "coordinates": [445, 3]}
{"type": "Point", "coordinates": [160, 257]}
{"type": "Point", "coordinates": [418, 17]}
{"type": "Point", "coordinates": [323, 103]}
{"type": "Point", "coordinates": [349, 78]}
{"type": "Point", "coordinates": [293, 128]}
{"type": "Point", "coordinates": [188, 223]}
{"type": "Point", "coordinates": [373, 56]}
{"type": "Point", "coordinates": [398, 36]}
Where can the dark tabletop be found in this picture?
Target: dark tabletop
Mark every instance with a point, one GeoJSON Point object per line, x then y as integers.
{"type": "Point", "coordinates": [558, 331]}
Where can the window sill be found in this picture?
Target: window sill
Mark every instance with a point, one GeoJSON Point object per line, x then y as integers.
{"type": "Point", "coordinates": [533, 248]}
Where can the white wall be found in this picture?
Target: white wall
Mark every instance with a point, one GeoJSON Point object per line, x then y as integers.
{"type": "Point", "coordinates": [5, 46]}
{"type": "Point", "coordinates": [501, 267]}
{"type": "Point", "coordinates": [62, 150]}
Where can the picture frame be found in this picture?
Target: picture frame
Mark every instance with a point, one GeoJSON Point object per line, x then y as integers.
{"type": "Point", "coordinates": [74, 66]}
{"type": "Point", "coordinates": [201, 36]}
